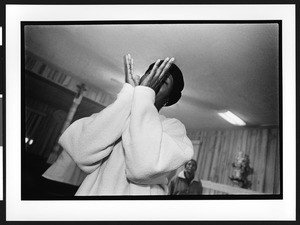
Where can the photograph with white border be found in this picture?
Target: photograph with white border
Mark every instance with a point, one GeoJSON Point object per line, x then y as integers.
{"type": "Point", "coordinates": [18, 209]}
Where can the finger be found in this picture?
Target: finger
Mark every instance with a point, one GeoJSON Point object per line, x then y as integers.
{"type": "Point", "coordinates": [153, 71]}
{"type": "Point", "coordinates": [144, 80]}
{"type": "Point", "coordinates": [128, 59]}
{"type": "Point", "coordinates": [127, 65]}
{"type": "Point", "coordinates": [125, 62]}
{"type": "Point", "coordinates": [129, 62]}
{"type": "Point", "coordinates": [165, 69]}
{"type": "Point", "coordinates": [162, 66]}
{"type": "Point", "coordinates": [136, 79]}
{"type": "Point", "coordinates": [131, 67]}
{"type": "Point", "coordinates": [156, 81]}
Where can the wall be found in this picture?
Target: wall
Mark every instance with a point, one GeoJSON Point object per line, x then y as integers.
{"type": "Point", "coordinates": [56, 75]}
{"type": "Point", "coordinates": [217, 151]}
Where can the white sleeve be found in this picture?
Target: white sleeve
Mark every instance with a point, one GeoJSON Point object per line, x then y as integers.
{"type": "Point", "coordinates": [90, 139]}
{"type": "Point", "coordinates": [153, 148]}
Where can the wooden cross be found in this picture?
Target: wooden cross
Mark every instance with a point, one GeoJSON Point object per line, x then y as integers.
{"type": "Point", "coordinates": [81, 89]}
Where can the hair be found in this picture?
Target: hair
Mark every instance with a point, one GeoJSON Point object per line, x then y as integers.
{"type": "Point", "coordinates": [193, 160]}
{"type": "Point", "coordinates": [178, 82]}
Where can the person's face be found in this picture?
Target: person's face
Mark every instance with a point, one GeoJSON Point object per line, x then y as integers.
{"type": "Point", "coordinates": [164, 91]}
{"type": "Point", "coordinates": [191, 167]}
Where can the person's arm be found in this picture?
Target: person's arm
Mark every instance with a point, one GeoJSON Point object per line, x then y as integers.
{"type": "Point", "coordinates": [153, 148]}
{"type": "Point", "coordinates": [89, 140]}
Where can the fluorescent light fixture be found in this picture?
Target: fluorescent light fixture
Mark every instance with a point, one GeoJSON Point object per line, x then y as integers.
{"type": "Point", "coordinates": [232, 118]}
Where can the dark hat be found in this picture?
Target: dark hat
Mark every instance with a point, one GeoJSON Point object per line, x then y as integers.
{"type": "Point", "coordinates": [178, 83]}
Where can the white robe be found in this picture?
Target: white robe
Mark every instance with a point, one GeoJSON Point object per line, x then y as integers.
{"type": "Point", "coordinates": [127, 148]}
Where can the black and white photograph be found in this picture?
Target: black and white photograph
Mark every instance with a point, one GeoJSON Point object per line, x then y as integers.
{"type": "Point", "coordinates": [203, 120]}
{"type": "Point", "coordinates": [134, 112]}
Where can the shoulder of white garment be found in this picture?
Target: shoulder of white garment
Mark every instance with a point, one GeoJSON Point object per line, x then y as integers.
{"type": "Point", "coordinates": [172, 123]}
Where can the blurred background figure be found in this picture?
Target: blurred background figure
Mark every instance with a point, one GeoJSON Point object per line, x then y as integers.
{"type": "Point", "coordinates": [185, 183]}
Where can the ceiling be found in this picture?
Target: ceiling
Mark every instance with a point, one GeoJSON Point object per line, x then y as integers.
{"type": "Point", "coordinates": [226, 66]}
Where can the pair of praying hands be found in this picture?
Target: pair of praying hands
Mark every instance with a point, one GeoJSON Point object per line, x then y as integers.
{"type": "Point", "coordinates": [154, 79]}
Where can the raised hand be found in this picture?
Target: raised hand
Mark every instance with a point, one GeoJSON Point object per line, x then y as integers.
{"type": "Point", "coordinates": [157, 74]}
{"type": "Point", "coordinates": [129, 77]}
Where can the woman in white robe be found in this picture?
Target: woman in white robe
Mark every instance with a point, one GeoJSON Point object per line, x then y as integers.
{"type": "Point", "coordinates": [129, 148]}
